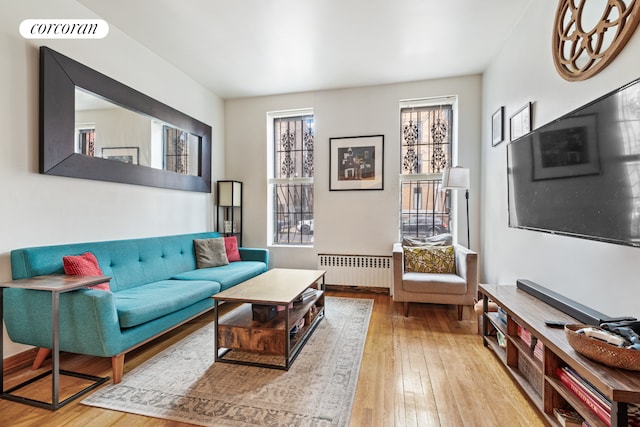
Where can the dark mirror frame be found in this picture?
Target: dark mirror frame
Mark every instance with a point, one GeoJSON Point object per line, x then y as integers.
{"type": "Point", "coordinates": [59, 78]}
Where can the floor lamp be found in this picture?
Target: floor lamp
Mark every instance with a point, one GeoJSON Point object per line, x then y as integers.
{"type": "Point", "coordinates": [457, 178]}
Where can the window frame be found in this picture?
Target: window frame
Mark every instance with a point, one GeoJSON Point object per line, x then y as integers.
{"type": "Point", "coordinates": [272, 181]}
{"type": "Point", "coordinates": [428, 178]}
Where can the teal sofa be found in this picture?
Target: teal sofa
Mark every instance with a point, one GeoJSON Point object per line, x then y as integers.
{"type": "Point", "coordinates": [155, 286]}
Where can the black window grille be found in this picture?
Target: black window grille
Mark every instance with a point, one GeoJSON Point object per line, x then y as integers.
{"type": "Point", "coordinates": [426, 135]}
{"type": "Point", "coordinates": [293, 221]}
{"type": "Point", "coordinates": [86, 141]}
{"type": "Point", "coordinates": [176, 150]}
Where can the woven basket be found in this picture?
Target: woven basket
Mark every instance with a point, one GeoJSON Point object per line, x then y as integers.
{"type": "Point", "coordinates": [601, 352]}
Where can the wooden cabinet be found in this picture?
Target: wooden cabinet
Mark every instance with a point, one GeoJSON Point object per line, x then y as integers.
{"type": "Point", "coordinates": [534, 364]}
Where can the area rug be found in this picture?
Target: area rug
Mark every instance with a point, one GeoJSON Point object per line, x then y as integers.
{"type": "Point", "coordinates": [183, 383]}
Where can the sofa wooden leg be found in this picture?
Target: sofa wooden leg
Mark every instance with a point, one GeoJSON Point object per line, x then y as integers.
{"type": "Point", "coordinates": [406, 309]}
{"type": "Point", "coordinates": [117, 366]}
{"type": "Point", "coordinates": [43, 353]}
{"type": "Point", "coordinates": [460, 307]}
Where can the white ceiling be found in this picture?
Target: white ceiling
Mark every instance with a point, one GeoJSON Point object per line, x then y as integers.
{"type": "Point", "coordinates": [240, 48]}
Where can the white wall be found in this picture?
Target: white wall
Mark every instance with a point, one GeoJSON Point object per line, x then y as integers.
{"type": "Point", "coordinates": [600, 275]}
{"type": "Point", "coordinates": [40, 209]}
{"type": "Point", "coordinates": [346, 222]}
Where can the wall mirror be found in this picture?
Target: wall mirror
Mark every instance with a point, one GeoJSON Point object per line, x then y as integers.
{"type": "Point", "coordinates": [94, 127]}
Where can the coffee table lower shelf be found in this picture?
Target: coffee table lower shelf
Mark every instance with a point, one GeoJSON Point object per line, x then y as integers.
{"type": "Point", "coordinates": [271, 344]}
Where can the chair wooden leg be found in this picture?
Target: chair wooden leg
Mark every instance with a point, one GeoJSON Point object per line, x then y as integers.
{"type": "Point", "coordinates": [460, 307]}
{"type": "Point", "coordinates": [43, 353]}
{"type": "Point", "coordinates": [406, 309]}
{"type": "Point", "coordinates": [117, 366]}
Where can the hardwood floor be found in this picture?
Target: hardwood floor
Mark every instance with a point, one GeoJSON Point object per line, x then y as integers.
{"type": "Point", "coordinates": [425, 370]}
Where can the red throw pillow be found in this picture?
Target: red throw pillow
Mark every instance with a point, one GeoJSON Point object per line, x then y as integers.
{"type": "Point", "coordinates": [84, 265]}
{"type": "Point", "coordinates": [231, 247]}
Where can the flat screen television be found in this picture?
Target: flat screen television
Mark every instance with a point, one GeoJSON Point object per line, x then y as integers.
{"type": "Point", "coordinates": [580, 174]}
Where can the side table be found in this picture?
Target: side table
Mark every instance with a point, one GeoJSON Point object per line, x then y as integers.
{"type": "Point", "coordinates": [56, 284]}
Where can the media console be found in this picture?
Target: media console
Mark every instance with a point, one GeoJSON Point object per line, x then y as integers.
{"type": "Point", "coordinates": [534, 364]}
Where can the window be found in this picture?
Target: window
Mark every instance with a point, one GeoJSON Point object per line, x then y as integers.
{"type": "Point", "coordinates": [291, 178]}
{"type": "Point", "coordinates": [178, 146]}
{"type": "Point", "coordinates": [86, 140]}
{"type": "Point", "coordinates": [426, 129]}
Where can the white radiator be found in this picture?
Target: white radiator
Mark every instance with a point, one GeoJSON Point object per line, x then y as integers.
{"type": "Point", "coordinates": [356, 270]}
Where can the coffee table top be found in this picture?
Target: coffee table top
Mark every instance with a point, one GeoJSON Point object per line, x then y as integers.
{"type": "Point", "coordinates": [276, 286]}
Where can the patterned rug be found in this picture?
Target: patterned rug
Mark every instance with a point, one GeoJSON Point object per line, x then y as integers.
{"type": "Point", "coordinates": [183, 384]}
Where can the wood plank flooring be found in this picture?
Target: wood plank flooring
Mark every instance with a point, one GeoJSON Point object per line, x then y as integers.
{"type": "Point", "coordinates": [424, 370]}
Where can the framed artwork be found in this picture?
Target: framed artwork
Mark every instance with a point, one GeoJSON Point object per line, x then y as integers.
{"type": "Point", "coordinates": [356, 163]}
{"type": "Point", "coordinates": [520, 122]}
{"type": "Point", "coordinates": [122, 154]}
{"type": "Point", "coordinates": [568, 149]}
{"type": "Point", "coordinates": [497, 127]}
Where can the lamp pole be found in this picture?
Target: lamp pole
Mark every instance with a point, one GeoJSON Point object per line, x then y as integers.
{"type": "Point", "coordinates": [457, 178]}
{"type": "Point", "coordinates": [468, 227]}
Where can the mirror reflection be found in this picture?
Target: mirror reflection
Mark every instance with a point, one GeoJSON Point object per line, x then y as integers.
{"type": "Point", "coordinates": [106, 130]}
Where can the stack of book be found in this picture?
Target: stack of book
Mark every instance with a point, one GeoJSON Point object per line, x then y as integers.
{"type": "Point", "coordinates": [568, 417]}
{"type": "Point", "coordinates": [502, 315]}
{"type": "Point", "coordinates": [590, 396]}
{"type": "Point", "coordinates": [308, 293]}
{"type": "Point", "coordinates": [525, 336]}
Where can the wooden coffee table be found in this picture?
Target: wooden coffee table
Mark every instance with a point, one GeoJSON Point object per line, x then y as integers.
{"type": "Point", "coordinates": [276, 342]}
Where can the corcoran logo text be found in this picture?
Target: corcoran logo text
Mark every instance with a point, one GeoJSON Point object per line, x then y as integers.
{"type": "Point", "coordinates": [64, 28]}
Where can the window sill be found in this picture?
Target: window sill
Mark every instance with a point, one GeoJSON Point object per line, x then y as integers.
{"type": "Point", "coordinates": [289, 245]}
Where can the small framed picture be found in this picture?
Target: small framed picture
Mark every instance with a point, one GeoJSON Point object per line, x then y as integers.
{"type": "Point", "coordinates": [356, 163]}
{"type": "Point", "coordinates": [497, 127]}
{"type": "Point", "coordinates": [520, 122]}
{"type": "Point", "coordinates": [122, 154]}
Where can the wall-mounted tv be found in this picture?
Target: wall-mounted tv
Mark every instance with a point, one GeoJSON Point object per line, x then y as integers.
{"type": "Point", "coordinates": [580, 174]}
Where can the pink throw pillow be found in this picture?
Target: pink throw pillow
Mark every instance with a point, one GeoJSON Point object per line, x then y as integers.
{"type": "Point", "coordinates": [84, 265]}
{"type": "Point", "coordinates": [231, 247]}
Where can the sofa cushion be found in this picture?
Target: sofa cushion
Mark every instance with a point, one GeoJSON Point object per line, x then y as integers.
{"type": "Point", "coordinates": [84, 265]}
{"type": "Point", "coordinates": [147, 302]}
{"type": "Point", "coordinates": [434, 283]}
{"type": "Point", "coordinates": [231, 247]}
{"type": "Point", "coordinates": [429, 259]}
{"type": "Point", "coordinates": [227, 275]}
{"type": "Point", "coordinates": [210, 252]}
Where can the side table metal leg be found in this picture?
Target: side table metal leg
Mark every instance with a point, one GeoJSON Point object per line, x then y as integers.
{"type": "Point", "coordinates": [55, 352]}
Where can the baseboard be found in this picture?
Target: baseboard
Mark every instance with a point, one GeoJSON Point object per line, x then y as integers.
{"type": "Point", "coordinates": [364, 289]}
{"type": "Point", "coordinates": [19, 361]}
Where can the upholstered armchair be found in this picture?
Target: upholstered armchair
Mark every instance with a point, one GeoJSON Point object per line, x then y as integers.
{"type": "Point", "coordinates": [458, 286]}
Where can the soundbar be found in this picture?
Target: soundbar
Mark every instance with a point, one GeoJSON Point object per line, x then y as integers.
{"type": "Point", "coordinates": [568, 306]}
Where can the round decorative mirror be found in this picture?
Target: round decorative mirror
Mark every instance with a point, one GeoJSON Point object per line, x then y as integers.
{"type": "Point", "coordinates": [588, 34]}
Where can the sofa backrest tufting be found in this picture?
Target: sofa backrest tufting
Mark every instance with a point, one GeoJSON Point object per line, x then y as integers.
{"type": "Point", "coordinates": [129, 263]}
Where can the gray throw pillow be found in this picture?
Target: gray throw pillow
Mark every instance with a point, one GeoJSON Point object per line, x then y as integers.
{"type": "Point", "coordinates": [438, 240]}
{"type": "Point", "coordinates": [210, 252]}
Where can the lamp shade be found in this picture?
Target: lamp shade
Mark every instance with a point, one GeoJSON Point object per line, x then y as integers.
{"type": "Point", "coordinates": [456, 178]}
{"type": "Point", "coordinates": [229, 193]}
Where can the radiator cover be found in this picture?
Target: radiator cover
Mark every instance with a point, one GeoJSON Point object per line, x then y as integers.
{"type": "Point", "coordinates": [356, 270]}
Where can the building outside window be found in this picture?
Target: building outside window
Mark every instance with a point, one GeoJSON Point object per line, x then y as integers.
{"type": "Point", "coordinates": [426, 135]}
{"type": "Point", "coordinates": [86, 140]}
{"type": "Point", "coordinates": [291, 137]}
